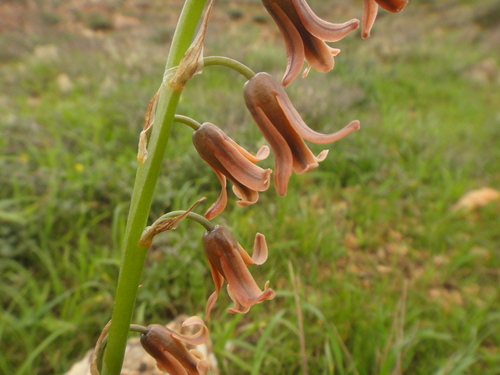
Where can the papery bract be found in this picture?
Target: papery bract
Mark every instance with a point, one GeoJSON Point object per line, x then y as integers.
{"type": "Point", "coordinates": [228, 159]}
{"type": "Point", "coordinates": [284, 129]}
{"type": "Point", "coordinates": [305, 35]}
{"type": "Point", "coordinates": [229, 261]}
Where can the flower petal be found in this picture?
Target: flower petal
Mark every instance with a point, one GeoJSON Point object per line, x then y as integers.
{"type": "Point", "coordinates": [260, 251]}
{"type": "Point", "coordinates": [243, 285]}
{"type": "Point", "coordinates": [329, 32]}
{"type": "Point", "coordinates": [203, 366]}
{"type": "Point", "coordinates": [393, 6]}
{"type": "Point", "coordinates": [218, 281]}
{"type": "Point", "coordinates": [261, 154]}
{"type": "Point", "coordinates": [221, 202]}
{"type": "Point", "coordinates": [306, 132]}
{"type": "Point", "coordinates": [198, 338]}
{"type": "Point", "coordinates": [322, 155]}
{"type": "Point", "coordinates": [170, 365]}
{"type": "Point", "coordinates": [241, 169]}
{"type": "Point", "coordinates": [238, 308]}
{"type": "Point", "coordinates": [293, 41]}
{"type": "Point", "coordinates": [283, 158]}
{"type": "Point", "coordinates": [370, 9]}
{"type": "Point", "coordinates": [247, 196]}
{"type": "Point", "coordinates": [318, 54]}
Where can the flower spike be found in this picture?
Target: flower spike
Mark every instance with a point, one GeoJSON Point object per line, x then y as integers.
{"type": "Point", "coordinates": [284, 129]}
{"type": "Point", "coordinates": [230, 160]}
{"type": "Point", "coordinates": [305, 35]}
{"type": "Point", "coordinates": [228, 260]}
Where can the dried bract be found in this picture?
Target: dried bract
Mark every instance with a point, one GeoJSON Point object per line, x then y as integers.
{"type": "Point", "coordinates": [192, 61]}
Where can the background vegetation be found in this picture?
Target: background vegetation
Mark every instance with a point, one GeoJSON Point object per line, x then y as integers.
{"type": "Point", "coordinates": [389, 278]}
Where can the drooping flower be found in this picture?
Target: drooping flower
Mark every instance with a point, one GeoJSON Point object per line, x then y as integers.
{"type": "Point", "coordinates": [229, 261]}
{"type": "Point", "coordinates": [171, 355]}
{"type": "Point", "coordinates": [228, 159]}
{"type": "Point", "coordinates": [305, 35]}
{"type": "Point", "coordinates": [370, 9]}
{"type": "Point", "coordinates": [284, 129]}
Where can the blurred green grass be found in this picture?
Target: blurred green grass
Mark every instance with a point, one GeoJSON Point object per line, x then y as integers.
{"type": "Point", "coordinates": [391, 279]}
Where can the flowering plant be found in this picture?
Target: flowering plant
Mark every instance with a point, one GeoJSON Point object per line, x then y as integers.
{"type": "Point", "coordinates": [305, 36]}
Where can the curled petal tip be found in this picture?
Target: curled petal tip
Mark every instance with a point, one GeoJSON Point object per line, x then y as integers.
{"type": "Point", "coordinates": [260, 251]}
{"type": "Point", "coordinates": [281, 191]}
{"type": "Point", "coordinates": [322, 155]}
{"type": "Point", "coordinates": [306, 71]}
{"type": "Point", "coordinates": [287, 79]}
{"type": "Point", "coordinates": [335, 51]}
{"type": "Point", "coordinates": [263, 153]}
{"type": "Point", "coordinates": [355, 125]}
{"type": "Point", "coordinates": [194, 320]}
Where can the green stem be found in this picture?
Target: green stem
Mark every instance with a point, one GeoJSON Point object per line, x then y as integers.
{"type": "Point", "coordinates": [184, 32]}
{"type": "Point", "coordinates": [138, 328]}
{"type": "Point", "coordinates": [134, 255]}
{"type": "Point", "coordinates": [193, 124]}
{"type": "Point", "coordinates": [230, 63]}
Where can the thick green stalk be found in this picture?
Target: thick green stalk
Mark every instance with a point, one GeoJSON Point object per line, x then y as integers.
{"type": "Point", "coordinates": [134, 255]}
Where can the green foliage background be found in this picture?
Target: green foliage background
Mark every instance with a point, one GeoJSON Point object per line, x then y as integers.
{"type": "Point", "coordinates": [388, 272]}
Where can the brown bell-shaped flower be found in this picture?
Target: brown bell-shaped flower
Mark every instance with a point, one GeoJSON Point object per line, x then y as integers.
{"type": "Point", "coordinates": [370, 9]}
{"type": "Point", "coordinates": [305, 35]}
{"type": "Point", "coordinates": [228, 260]}
{"type": "Point", "coordinates": [284, 129]}
{"type": "Point", "coordinates": [228, 159]}
{"type": "Point", "coordinates": [171, 355]}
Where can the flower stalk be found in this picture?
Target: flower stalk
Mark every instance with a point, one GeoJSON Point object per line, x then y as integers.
{"type": "Point", "coordinates": [229, 63]}
{"type": "Point", "coordinates": [193, 124]}
{"type": "Point", "coordinates": [134, 254]}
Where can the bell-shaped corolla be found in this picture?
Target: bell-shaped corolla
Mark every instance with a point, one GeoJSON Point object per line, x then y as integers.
{"type": "Point", "coordinates": [370, 9]}
{"type": "Point", "coordinates": [230, 160]}
{"type": "Point", "coordinates": [171, 355]}
{"type": "Point", "coordinates": [284, 129]}
{"type": "Point", "coordinates": [228, 261]}
{"type": "Point", "coordinates": [305, 35]}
